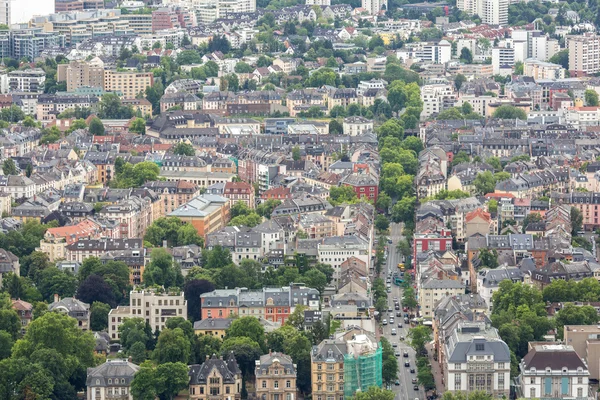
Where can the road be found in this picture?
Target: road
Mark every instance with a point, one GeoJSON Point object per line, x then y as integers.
{"type": "Point", "coordinates": [405, 390]}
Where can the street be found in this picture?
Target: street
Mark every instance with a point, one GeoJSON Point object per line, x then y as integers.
{"type": "Point", "coordinates": [405, 389]}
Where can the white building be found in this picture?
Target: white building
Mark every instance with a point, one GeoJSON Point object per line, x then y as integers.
{"type": "Point", "coordinates": [584, 54]}
{"type": "Point", "coordinates": [20, 11]}
{"type": "Point", "coordinates": [582, 117]}
{"type": "Point", "coordinates": [436, 98]}
{"type": "Point", "coordinates": [436, 53]}
{"type": "Point", "coordinates": [318, 2]}
{"type": "Point", "coordinates": [29, 80]}
{"type": "Point", "coordinates": [209, 10]}
{"type": "Point", "coordinates": [354, 126]}
{"type": "Point", "coordinates": [542, 70]}
{"type": "Point", "coordinates": [479, 103]}
{"type": "Point", "coordinates": [433, 290]}
{"type": "Point", "coordinates": [553, 371]}
{"type": "Point", "coordinates": [374, 6]}
{"type": "Point", "coordinates": [363, 86]}
{"type": "Point", "coordinates": [472, 348]}
{"type": "Point", "coordinates": [502, 57]}
{"type": "Point", "coordinates": [494, 12]}
{"type": "Point", "coordinates": [154, 307]}
{"type": "Point", "coordinates": [337, 249]}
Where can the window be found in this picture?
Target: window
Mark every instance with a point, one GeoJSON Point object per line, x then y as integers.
{"type": "Point", "coordinates": [579, 392]}
{"type": "Point", "coordinates": [457, 381]}
{"type": "Point", "coordinates": [288, 384]}
{"type": "Point", "coordinates": [214, 391]}
{"type": "Point", "coordinates": [501, 366]}
{"type": "Point", "coordinates": [319, 367]}
{"type": "Point", "coordinates": [564, 385]}
{"type": "Point", "coordinates": [532, 393]}
{"type": "Point", "coordinates": [276, 384]}
{"type": "Point", "coordinates": [214, 381]}
{"type": "Point", "coordinates": [456, 366]}
{"type": "Point", "coordinates": [479, 347]}
{"type": "Point", "coordinates": [109, 381]}
{"type": "Point", "coordinates": [580, 380]}
{"type": "Point", "coordinates": [227, 389]}
{"type": "Point", "coordinates": [548, 386]}
{"type": "Point", "coordinates": [264, 384]}
{"type": "Point", "coordinates": [288, 396]}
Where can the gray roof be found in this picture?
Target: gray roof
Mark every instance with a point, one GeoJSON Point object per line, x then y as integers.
{"type": "Point", "coordinates": [329, 350]}
{"type": "Point", "coordinates": [121, 369]}
{"type": "Point", "coordinates": [496, 348]}
{"type": "Point", "coordinates": [228, 369]}
{"type": "Point", "coordinates": [443, 284]}
{"type": "Point", "coordinates": [267, 360]}
{"type": "Point", "coordinates": [213, 323]}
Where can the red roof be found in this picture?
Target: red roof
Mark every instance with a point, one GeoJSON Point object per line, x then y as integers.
{"type": "Point", "coordinates": [73, 233]}
{"type": "Point", "coordinates": [21, 305]}
{"type": "Point", "coordinates": [500, 196]}
{"type": "Point", "coordinates": [478, 213]}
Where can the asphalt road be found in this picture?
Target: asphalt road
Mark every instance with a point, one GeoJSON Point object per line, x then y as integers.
{"type": "Point", "coordinates": [405, 390]}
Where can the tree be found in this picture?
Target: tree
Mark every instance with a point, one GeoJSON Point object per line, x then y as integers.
{"type": "Point", "coordinates": [99, 316]}
{"type": "Point", "coordinates": [192, 291]}
{"type": "Point", "coordinates": [403, 248]}
{"type": "Point", "coordinates": [485, 183]}
{"type": "Point", "coordinates": [133, 330]}
{"type": "Point", "coordinates": [561, 58]}
{"type": "Point", "coordinates": [6, 343]}
{"type": "Point", "coordinates": [205, 345]}
{"type": "Point", "coordinates": [474, 395]}
{"type": "Point", "coordinates": [162, 271]}
{"type": "Point", "coordinates": [296, 153]}
{"type": "Point", "coordinates": [381, 223]}
{"type": "Point", "coordinates": [315, 279]}
{"type": "Point", "coordinates": [412, 143]}
{"type": "Point", "coordinates": [493, 206]}
{"type": "Point", "coordinates": [9, 167]}
{"type": "Point", "coordinates": [571, 314]}
{"type": "Point", "coordinates": [265, 209]}
{"type": "Point", "coordinates": [137, 353]}
{"type": "Point", "coordinates": [172, 346]}
{"type": "Point", "coordinates": [96, 127]}
{"type": "Point", "coordinates": [510, 112]}
{"type": "Point", "coordinates": [335, 128]}
{"type": "Point", "coordinates": [189, 57]}
{"type": "Point", "coordinates": [249, 327]}
{"type": "Point", "coordinates": [51, 281]}
{"type": "Point", "coordinates": [374, 393]}
{"type": "Point", "coordinates": [342, 194]}
{"type": "Point", "coordinates": [245, 350]}
{"type": "Point", "coordinates": [95, 289]}
{"type": "Point", "coordinates": [174, 231]}
{"type": "Point", "coordinates": [459, 79]}
{"type": "Point", "coordinates": [12, 114]}
{"type": "Point", "coordinates": [419, 337]}
{"type": "Point", "coordinates": [163, 381]}
{"type": "Point", "coordinates": [576, 221]}
{"type": "Point", "coordinates": [519, 66]}
{"type": "Point", "coordinates": [138, 125]}
{"type": "Point", "coordinates": [591, 97]}
{"type": "Point", "coordinates": [184, 149]}
{"type": "Point", "coordinates": [489, 259]}
{"type": "Point", "coordinates": [466, 56]}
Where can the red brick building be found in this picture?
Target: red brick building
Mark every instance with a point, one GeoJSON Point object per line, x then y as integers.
{"type": "Point", "coordinates": [239, 191]}
{"type": "Point", "coordinates": [365, 185]}
{"type": "Point", "coordinates": [436, 241]}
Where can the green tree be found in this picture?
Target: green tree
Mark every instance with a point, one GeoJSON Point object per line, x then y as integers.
{"type": "Point", "coordinates": [296, 153]}
{"type": "Point", "coordinates": [245, 350]}
{"type": "Point", "coordinates": [99, 316]}
{"type": "Point", "coordinates": [133, 330]}
{"type": "Point", "coordinates": [205, 345]}
{"type": "Point", "coordinates": [9, 167]}
{"type": "Point", "coordinates": [342, 194]}
{"type": "Point", "coordinates": [510, 112]}
{"type": "Point", "coordinates": [163, 381]}
{"type": "Point", "coordinates": [419, 337]}
{"type": "Point", "coordinates": [249, 327]}
{"type": "Point", "coordinates": [138, 125]}
{"type": "Point", "coordinates": [459, 79]}
{"type": "Point", "coordinates": [96, 127]}
{"type": "Point", "coordinates": [184, 149]}
{"type": "Point", "coordinates": [519, 68]}
{"type": "Point", "coordinates": [374, 393]}
{"type": "Point", "coordinates": [6, 344]}
{"type": "Point", "coordinates": [488, 258]}
{"type": "Point", "coordinates": [466, 56]}
{"type": "Point", "coordinates": [381, 223]}
{"type": "Point", "coordinates": [162, 271]}
{"type": "Point", "coordinates": [315, 279]}
{"type": "Point", "coordinates": [485, 183]}
{"type": "Point", "coordinates": [576, 221]}
{"type": "Point", "coordinates": [172, 346]}
{"type": "Point", "coordinates": [561, 58]}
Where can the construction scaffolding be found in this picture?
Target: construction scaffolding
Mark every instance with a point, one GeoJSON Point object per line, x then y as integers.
{"type": "Point", "coordinates": [362, 365]}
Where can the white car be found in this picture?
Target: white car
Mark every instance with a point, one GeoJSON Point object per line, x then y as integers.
{"type": "Point", "coordinates": [394, 332]}
{"type": "Point", "coordinates": [384, 322]}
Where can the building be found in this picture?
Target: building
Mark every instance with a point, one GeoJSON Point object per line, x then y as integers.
{"type": "Point", "coordinates": [362, 363]}
{"type": "Point", "coordinates": [364, 184]}
{"type": "Point", "coordinates": [355, 126]}
{"type": "Point", "coordinates": [494, 12]}
{"type": "Point", "coordinates": [81, 74]}
{"type": "Point", "coordinates": [31, 43]}
{"type": "Point", "coordinates": [28, 81]}
{"type": "Point", "coordinates": [20, 12]}
{"type": "Point", "coordinates": [173, 194]}
{"type": "Point", "coordinates": [433, 290]}
{"type": "Point", "coordinates": [209, 10]}
{"type": "Point", "coordinates": [25, 312]}
{"type": "Point", "coordinates": [502, 57]}
{"type": "Point", "coordinates": [74, 309]}
{"type": "Point", "coordinates": [553, 371]}
{"type": "Point", "coordinates": [275, 377]}
{"type": "Point", "coordinates": [327, 369]}
{"type": "Point", "coordinates": [477, 359]}
{"type": "Point", "coordinates": [585, 340]}
{"type": "Point", "coordinates": [584, 56]}
{"type": "Point", "coordinates": [436, 98]}
{"type": "Point", "coordinates": [374, 6]}
{"type": "Point", "coordinates": [207, 213]}
{"type": "Point", "coordinates": [216, 327]}
{"type": "Point", "coordinates": [130, 84]}
{"type": "Point", "coordinates": [111, 380]}
{"type": "Point", "coordinates": [337, 249]}
{"type": "Point", "coordinates": [216, 379]}
{"type": "Point", "coordinates": [55, 241]}
{"type": "Point", "coordinates": [9, 263]}
{"type": "Point", "coordinates": [239, 192]}
{"type": "Point", "coordinates": [68, 5]}
{"type": "Point", "coordinates": [542, 70]}
{"type": "Point", "coordinates": [154, 306]}
{"type": "Point", "coordinates": [49, 105]}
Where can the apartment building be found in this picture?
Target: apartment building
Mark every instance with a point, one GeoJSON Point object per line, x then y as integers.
{"type": "Point", "coordinates": [100, 380]}
{"type": "Point", "coordinates": [153, 305]}
{"type": "Point", "coordinates": [140, 24]}
{"type": "Point", "coordinates": [50, 105]}
{"type": "Point", "coordinates": [355, 126]}
{"type": "Point", "coordinates": [81, 73]}
{"type": "Point", "coordinates": [327, 369]}
{"type": "Point", "coordinates": [374, 7]}
{"type": "Point", "coordinates": [55, 241]}
{"type": "Point", "coordinates": [207, 213]}
{"type": "Point", "coordinates": [74, 309]}
{"type": "Point", "coordinates": [275, 377]}
{"type": "Point", "coordinates": [502, 57]}
{"type": "Point", "coordinates": [129, 83]}
{"type": "Point", "coordinates": [585, 341]}
{"type": "Point", "coordinates": [542, 70]}
{"type": "Point", "coordinates": [216, 379]}
{"type": "Point", "coordinates": [436, 98]}
{"type": "Point", "coordinates": [337, 249]}
{"type": "Point", "coordinates": [239, 192]}
{"type": "Point", "coordinates": [433, 290]}
{"type": "Point", "coordinates": [584, 54]}
{"type": "Point", "coordinates": [28, 81]}
{"type": "Point", "coordinates": [553, 371]}
{"type": "Point", "coordinates": [173, 194]}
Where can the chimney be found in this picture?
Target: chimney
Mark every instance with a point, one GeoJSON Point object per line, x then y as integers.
{"type": "Point", "coordinates": [56, 297]}
{"type": "Point", "coordinates": [207, 357]}
{"type": "Point", "coordinates": [269, 351]}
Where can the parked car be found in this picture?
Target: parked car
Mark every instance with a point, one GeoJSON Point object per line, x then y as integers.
{"type": "Point", "coordinates": [407, 364]}
{"type": "Point", "coordinates": [397, 354]}
{"type": "Point", "coordinates": [405, 353]}
{"type": "Point", "coordinates": [412, 370]}
{"type": "Point", "coordinates": [394, 332]}
{"type": "Point", "coordinates": [394, 345]}
{"type": "Point", "coordinates": [416, 387]}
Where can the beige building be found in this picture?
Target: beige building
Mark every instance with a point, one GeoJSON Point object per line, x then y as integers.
{"type": "Point", "coordinates": [81, 73]}
{"type": "Point", "coordinates": [585, 340]}
{"type": "Point", "coordinates": [327, 369]}
{"type": "Point", "coordinates": [275, 377]}
{"type": "Point", "coordinates": [216, 379]}
{"type": "Point", "coordinates": [434, 290]}
{"type": "Point", "coordinates": [111, 380]}
{"type": "Point", "coordinates": [584, 54]}
{"type": "Point", "coordinates": [478, 222]}
{"type": "Point", "coordinates": [129, 83]}
{"type": "Point", "coordinates": [542, 70]}
{"type": "Point", "coordinates": [151, 305]}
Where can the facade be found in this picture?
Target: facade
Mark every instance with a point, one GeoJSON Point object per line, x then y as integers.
{"type": "Point", "coordinates": [207, 213]}
{"type": "Point", "coordinates": [49, 106]}
{"type": "Point", "coordinates": [55, 240]}
{"type": "Point", "coordinates": [9, 263]}
{"type": "Point", "coordinates": [216, 379]}
{"type": "Point", "coordinates": [73, 308]}
{"type": "Point", "coordinates": [129, 83]}
{"type": "Point", "coordinates": [337, 249]}
{"type": "Point", "coordinates": [584, 54]}
{"type": "Point", "coordinates": [542, 70]}
{"type": "Point", "coordinates": [216, 327]}
{"type": "Point", "coordinates": [374, 6]}
{"type": "Point", "coordinates": [553, 371]}
{"type": "Point", "coordinates": [111, 380]}
{"type": "Point", "coordinates": [275, 377]}
{"type": "Point", "coordinates": [585, 340]}
{"type": "Point", "coordinates": [327, 369]}
{"type": "Point", "coordinates": [433, 290]}
{"type": "Point", "coordinates": [364, 184]}
{"type": "Point", "coordinates": [239, 192]}
{"type": "Point", "coordinates": [436, 98]}
{"type": "Point", "coordinates": [153, 306]}
{"type": "Point", "coordinates": [25, 312]}
{"type": "Point", "coordinates": [28, 81]}
{"type": "Point", "coordinates": [81, 74]}
{"type": "Point", "coordinates": [354, 126]}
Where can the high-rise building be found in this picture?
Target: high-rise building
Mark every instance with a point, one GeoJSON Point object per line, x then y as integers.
{"type": "Point", "coordinates": [20, 11]}
{"type": "Point", "coordinates": [81, 73]}
{"type": "Point", "coordinates": [492, 12]}
{"type": "Point", "coordinates": [209, 10]}
{"type": "Point", "coordinates": [129, 83]}
{"type": "Point", "coordinates": [502, 57]}
{"type": "Point", "coordinates": [374, 6]}
{"type": "Point", "coordinates": [584, 54]}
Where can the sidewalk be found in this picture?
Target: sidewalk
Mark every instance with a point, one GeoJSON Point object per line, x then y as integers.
{"type": "Point", "coordinates": [435, 370]}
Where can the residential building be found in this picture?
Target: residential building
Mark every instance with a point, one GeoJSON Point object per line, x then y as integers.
{"type": "Point", "coordinates": [153, 305]}
{"type": "Point", "coordinates": [362, 363]}
{"type": "Point", "coordinates": [20, 12]}
{"type": "Point", "coordinates": [49, 105]}
{"type": "Point", "coordinates": [355, 126]}
{"type": "Point", "coordinates": [275, 377]}
{"type": "Point", "coordinates": [55, 241]}
{"type": "Point", "coordinates": [216, 327]}
{"type": "Point", "coordinates": [28, 81]}
{"type": "Point", "coordinates": [74, 309]}
{"type": "Point", "coordinates": [542, 70]}
{"type": "Point", "coordinates": [433, 290]}
{"type": "Point", "coordinates": [25, 312]}
{"type": "Point", "coordinates": [553, 371]}
{"type": "Point", "coordinates": [336, 250]}
{"type": "Point", "coordinates": [436, 98]}
{"type": "Point", "coordinates": [131, 84]}
{"type": "Point", "coordinates": [173, 194]}
{"type": "Point", "coordinates": [585, 340]}
{"type": "Point", "coordinates": [216, 379]}
{"type": "Point", "coordinates": [9, 263]}
{"type": "Point", "coordinates": [111, 380]}
{"type": "Point", "coordinates": [494, 12]}
{"type": "Point", "coordinates": [374, 7]}
{"type": "Point", "coordinates": [327, 369]}
{"type": "Point", "coordinates": [584, 56]}
{"type": "Point", "coordinates": [502, 58]}
{"type": "Point", "coordinates": [363, 86]}
{"type": "Point", "coordinates": [477, 359]}
{"type": "Point", "coordinates": [81, 74]}
{"type": "Point", "coordinates": [207, 213]}
{"type": "Point", "coordinates": [239, 192]}
{"type": "Point", "coordinates": [364, 184]}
